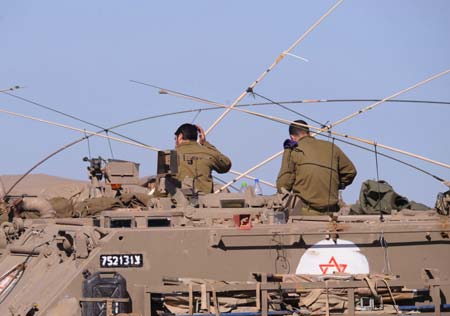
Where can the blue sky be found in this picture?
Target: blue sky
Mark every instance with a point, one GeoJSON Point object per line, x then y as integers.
{"type": "Point", "coordinates": [80, 56]}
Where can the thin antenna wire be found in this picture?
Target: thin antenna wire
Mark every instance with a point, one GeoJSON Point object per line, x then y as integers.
{"type": "Point", "coordinates": [370, 107]}
{"type": "Point", "coordinates": [50, 109]}
{"type": "Point", "coordinates": [288, 109]}
{"type": "Point", "coordinates": [218, 105]}
{"type": "Point", "coordinates": [69, 116]}
{"type": "Point", "coordinates": [378, 183]}
{"type": "Point", "coordinates": [389, 157]}
{"type": "Point", "coordinates": [2, 189]}
{"type": "Point", "coordinates": [29, 117]}
{"type": "Point", "coordinates": [276, 119]}
{"type": "Point", "coordinates": [44, 160]}
{"type": "Point", "coordinates": [88, 144]}
{"type": "Point", "coordinates": [250, 89]}
{"type": "Point", "coordinates": [306, 101]}
{"type": "Point", "coordinates": [110, 145]}
{"type": "Point", "coordinates": [273, 65]}
{"type": "Point", "coordinates": [318, 130]}
{"type": "Point", "coordinates": [224, 182]}
{"type": "Point", "coordinates": [387, 262]}
{"type": "Point", "coordinates": [10, 89]}
{"type": "Point", "coordinates": [136, 143]}
{"type": "Point", "coordinates": [177, 113]}
{"type": "Point", "coordinates": [298, 57]}
{"type": "Point", "coordinates": [269, 184]}
{"type": "Point", "coordinates": [309, 101]}
{"type": "Point", "coordinates": [196, 116]}
{"type": "Point", "coordinates": [331, 174]}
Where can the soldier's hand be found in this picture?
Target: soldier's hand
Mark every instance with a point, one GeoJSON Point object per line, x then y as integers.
{"type": "Point", "coordinates": [201, 135]}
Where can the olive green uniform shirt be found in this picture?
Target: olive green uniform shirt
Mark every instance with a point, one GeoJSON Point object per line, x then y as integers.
{"type": "Point", "coordinates": [315, 170]}
{"type": "Point", "coordinates": [197, 162]}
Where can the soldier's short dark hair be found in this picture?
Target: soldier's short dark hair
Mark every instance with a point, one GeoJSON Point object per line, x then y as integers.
{"type": "Point", "coordinates": [189, 131]}
{"type": "Point", "coordinates": [296, 129]}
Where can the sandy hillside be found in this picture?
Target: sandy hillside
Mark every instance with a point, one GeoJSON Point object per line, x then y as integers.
{"type": "Point", "coordinates": [48, 186]}
{"type": "Point", "coordinates": [43, 184]}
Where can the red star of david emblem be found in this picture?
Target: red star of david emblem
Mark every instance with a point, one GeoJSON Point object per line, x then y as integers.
{"type": "Point", "coordinates": [332, 264]}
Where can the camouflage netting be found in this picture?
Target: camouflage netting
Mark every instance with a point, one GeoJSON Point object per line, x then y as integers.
{"type": "Point", "coordinates": [65, 208]}
{"type": "Point", "coordinates": [379, 196]}
{"type": "Point", "coordinates": [93, 206]}
{"type": "Point", "coordinates": [3, 212]}
{"type": "Point", "coordinates": [443, 203]}
{"type": "Point", "coordinates": [74, 192]}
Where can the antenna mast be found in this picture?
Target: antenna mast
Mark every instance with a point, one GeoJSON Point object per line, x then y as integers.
{"type": "Point", "coordinates": [272, 66]}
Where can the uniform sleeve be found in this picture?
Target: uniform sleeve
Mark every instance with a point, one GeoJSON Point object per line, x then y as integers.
{"type": "Point", "coordinates": [347, 171]}
{"type": "Point", "coordinates": [286, 176]}
{"type": "Point", "coordinates": [220, 162]}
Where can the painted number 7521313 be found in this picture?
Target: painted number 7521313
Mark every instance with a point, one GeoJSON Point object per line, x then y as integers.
{"type": "Point", "coordinates": [121, 261]}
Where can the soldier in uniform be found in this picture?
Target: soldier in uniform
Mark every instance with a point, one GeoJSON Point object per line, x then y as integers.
{"type": "Point", "coordinates": [314, 170]}
{"type": "Point", "coordinates": [196, 160]}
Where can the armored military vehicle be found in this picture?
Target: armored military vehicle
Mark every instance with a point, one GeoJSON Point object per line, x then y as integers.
{"type": "Point", "coordinates": [233, 254]}
{"type": "Point", "coordinates": [143, 251]}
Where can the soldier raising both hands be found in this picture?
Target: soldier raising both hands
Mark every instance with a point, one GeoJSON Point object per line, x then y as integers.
{"type": "Point", "coordinates": [197, 159]}
{"type": "Point", "coordinates": [314, 170]}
